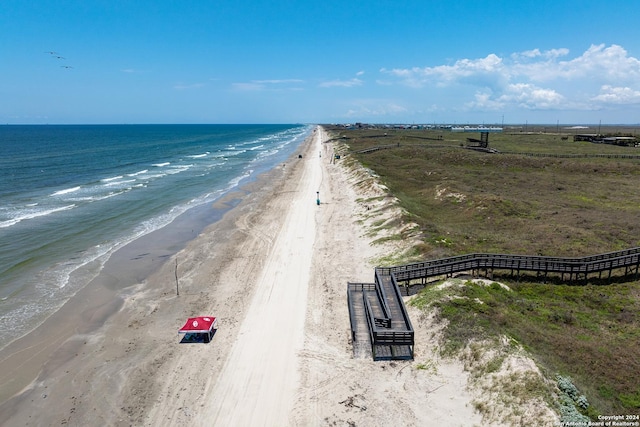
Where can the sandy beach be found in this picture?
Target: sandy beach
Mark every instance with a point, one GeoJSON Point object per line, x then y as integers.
{"type": "Point", "coordinates": [274, 272]}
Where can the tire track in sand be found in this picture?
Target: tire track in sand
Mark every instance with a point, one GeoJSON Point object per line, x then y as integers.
{"type": "Point", "coordinates": [258, 382]}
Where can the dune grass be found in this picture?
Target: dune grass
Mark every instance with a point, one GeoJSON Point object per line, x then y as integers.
{"type": "Point", "coordinates": [468, 201]}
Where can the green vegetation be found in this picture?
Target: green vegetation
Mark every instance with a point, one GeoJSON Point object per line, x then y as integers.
{"type": "Point", "coordinates": [468, 201]}
{"type": "Point", "coordinates": [591, 333]}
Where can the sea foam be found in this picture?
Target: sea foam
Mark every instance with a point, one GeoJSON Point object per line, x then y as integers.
{"type": "Point", "coordinates": [65, 191]}
{"type": "Point", "coordinates": [27, 214]}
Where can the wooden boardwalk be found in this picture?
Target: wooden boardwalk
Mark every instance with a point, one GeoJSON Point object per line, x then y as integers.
{"type": "Point", "coordinates": [380, 325]}
{"type": "Point", "coordinates": [570, 269]}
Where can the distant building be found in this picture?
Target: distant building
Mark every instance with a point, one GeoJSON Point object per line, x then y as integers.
{"type": "Point", "coordinates": [620, 140]}
{"type": "Point", "coordinates": [475, 129]}
{"type": "Point", "coordinates": [590, 137]}
{"type": "Point", "coordinates": [600, 139]}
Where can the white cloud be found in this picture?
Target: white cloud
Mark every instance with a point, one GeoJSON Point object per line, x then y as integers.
{"type": "Point", "coordinates": [374, 108]}
{"type": "Point", "coordinates": [277, 81]}
{"type": "Point", "coordinates": [484, 101]}
{"type": "Point", "coordinates": [533, 79]}
{"type": "Point", "coordinates": [618, 95]}
{"type": "Point", "coordinates": [183, 86]}
{"type": "Point", "coordinates": [521, 95]}
{"type": "Point", "coordinates": [530, 96]}
{"type": "Point", "coordinates": [536, 53]}
{"type": "Point", "coordinates": [133, 71]}
{"type": "Point", "coordinates": [612, 61]}
{"type": "Point", "coordinates": [342, 83]}
{"type": "Point", "coordinates": [598, 63]}
{"type": "Point", "coordinates": [528, 53]}
{"type": "Point", "coordinates": [250, 86]}
{"type": "Point", "coordinates": [269, 84]}
{"type": "Point", "coordinates": [483, 69]}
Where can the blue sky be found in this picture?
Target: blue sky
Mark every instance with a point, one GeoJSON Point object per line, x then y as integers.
{"type": "Point", "coordinates": [376, 61]}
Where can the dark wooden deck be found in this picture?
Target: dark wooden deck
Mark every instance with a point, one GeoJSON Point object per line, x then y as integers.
{"type": "Point", "coordinates": [380, 325]}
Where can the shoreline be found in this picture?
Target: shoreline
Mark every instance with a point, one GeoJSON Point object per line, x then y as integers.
{"type": "Point", "coordinates": [26, 359]}
{"type": "Point", "coordinates": [50, 253]}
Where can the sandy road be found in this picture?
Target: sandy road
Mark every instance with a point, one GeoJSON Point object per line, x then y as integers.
{"type": "Point", "coordinates": [258, 382]}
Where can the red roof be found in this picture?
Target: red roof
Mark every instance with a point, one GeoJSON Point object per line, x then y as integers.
{"type": "Point", "coordinates": [198, 324]}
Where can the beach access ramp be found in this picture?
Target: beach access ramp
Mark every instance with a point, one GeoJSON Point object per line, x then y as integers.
{"type": "Point", "coordinates": [380, 325]}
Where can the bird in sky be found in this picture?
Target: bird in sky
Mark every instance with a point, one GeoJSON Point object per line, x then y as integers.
{"type": "Point", "coordinates": [55, 55]}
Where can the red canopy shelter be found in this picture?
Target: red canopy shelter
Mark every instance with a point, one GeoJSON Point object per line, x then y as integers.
{"type": "Point", "coordinates": [200, 325]}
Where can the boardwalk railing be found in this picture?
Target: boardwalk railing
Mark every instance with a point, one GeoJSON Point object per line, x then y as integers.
{"type": "Point", "coordinates": [355, 314]}
{"type": "Point", "coordinates": [402, 315]}
{"type": "Point", "coordinates": [384, 315]}
{"type": "Point", "coordinates": [575, 268]}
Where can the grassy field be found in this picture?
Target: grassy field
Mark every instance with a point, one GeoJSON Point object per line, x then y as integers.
{"type": "Point", "coordinates": [531, 198]}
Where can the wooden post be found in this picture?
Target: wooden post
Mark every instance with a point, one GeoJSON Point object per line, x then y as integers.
{"type": "Point", "coordinates": [177, 288]}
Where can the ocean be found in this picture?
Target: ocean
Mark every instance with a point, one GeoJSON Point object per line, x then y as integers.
{"type": "Point", "coordinates": [72, 195]}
